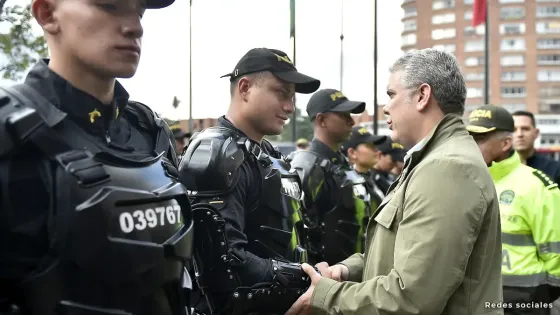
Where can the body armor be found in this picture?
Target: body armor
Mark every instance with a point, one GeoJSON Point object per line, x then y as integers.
{"type": "Point", "coordinates": [273, 230]}
{"type": "Point", "coordinates": [336, 231]}
{"type": "Point", "coordinates": [120, 230]}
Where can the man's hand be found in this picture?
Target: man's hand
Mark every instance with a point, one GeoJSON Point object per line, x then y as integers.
{"type": "Point", "coordinates": [339, 272]}
{"type": "Point", "coordinates": [336, 272]}
{"type": "Point", "coordinates": [303, 305]}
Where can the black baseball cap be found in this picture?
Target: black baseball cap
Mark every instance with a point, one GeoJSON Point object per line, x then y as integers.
{"type": "Point", "coordinates": [361, 135]}
{"type": "Point", "coordinates": [158, 4]}
{"type": "Point", "coordinates": [489, 118]}
{"type": "Point", "coordinates": [331, 100]}
{"type": "Point", "coordinates": [394, 149]}
{"type": "Point", "coordinates": [180, 134]}
{"type": "Point", "coordinates": [278, 63]}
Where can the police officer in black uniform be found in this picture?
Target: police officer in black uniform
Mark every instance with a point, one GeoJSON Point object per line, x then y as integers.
{"type": "Point", "coordinates": [334, 207]}
{"type": "Point", "coordinates": [246, 198]}
{"type": "Point", "coordinates": [361, 152]}
{"type": "Point", "coordinates": [389, 153]}
{"type": "Point", "coordinates": [93, 217]}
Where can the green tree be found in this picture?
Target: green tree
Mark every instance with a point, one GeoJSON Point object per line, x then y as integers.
{"type": "Point", "coordinates": [20, 47]}
{"type": "Point", "coordinates": [304, 129]}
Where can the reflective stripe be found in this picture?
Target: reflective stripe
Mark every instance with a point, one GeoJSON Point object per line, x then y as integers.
{"type": "Point", "coordinates": [524, 280]}
{"type": "Point", "coordinates": [549, 248]}
{"type": "Point", "coordinates": [518, 239]}
{"type": "Point", "coordinates": [554, 280]}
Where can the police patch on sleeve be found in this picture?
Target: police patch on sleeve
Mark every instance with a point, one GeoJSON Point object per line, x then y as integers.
{"type": "Point", "coordinates": [506, 197]}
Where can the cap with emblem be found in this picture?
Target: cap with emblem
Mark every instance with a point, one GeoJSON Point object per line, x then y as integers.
{"type": "Point", "coordinates": [331, 100]}
{"type": "Point", "coordinates": [489, 118]}
{"type": "Point", "coordinates": [361, 135]}
{"type": "Point", "coordinates": [394, 149]}
{"type": "Point", "coordinates": [278, 63]}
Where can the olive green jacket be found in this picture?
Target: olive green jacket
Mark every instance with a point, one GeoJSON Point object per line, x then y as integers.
{"type": "Point", "coordinates": [434, 244]}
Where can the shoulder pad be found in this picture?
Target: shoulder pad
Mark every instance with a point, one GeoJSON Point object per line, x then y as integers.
{"type": "Point", "coordinates": [311, 170]}
{"type": "Point", "coordinates": [143, 113]}
{"type": "Point", "coordinates": [9, 107]}
{"type": "Point", "coordinates": [271, 149]}
{"type": "Point", "coordinates": [548, 183]}
{"type": "Point", "coordinates": [210, 162]}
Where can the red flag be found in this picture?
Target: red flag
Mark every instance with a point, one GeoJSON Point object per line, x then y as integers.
{"type": "Point", "coordinates": [479, 12]}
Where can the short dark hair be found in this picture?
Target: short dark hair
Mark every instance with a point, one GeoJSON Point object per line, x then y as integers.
{"type": "Point", "coordinates": [257, 76]}
{"type": "Point", "coordinates": [526, 114]}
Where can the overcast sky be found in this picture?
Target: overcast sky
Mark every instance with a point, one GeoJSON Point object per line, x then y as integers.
{"type": "Point", "coordinates": [224, 30]}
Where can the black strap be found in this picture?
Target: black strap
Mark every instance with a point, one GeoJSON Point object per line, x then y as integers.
{"type": "Point", "coordinates": [27, 125]}
{"type": "Point", "coordinates": [148, 119]}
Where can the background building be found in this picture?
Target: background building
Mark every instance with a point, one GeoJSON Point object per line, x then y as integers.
{"type": "Point", "coordinates": [524, 52]}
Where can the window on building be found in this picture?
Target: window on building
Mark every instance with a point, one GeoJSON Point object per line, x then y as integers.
{"type": "Point", "coordinates": [549, 107]}
{"type": "Point", "coordinates": [410, 25]}
{"type": "Point", "coordinates": [479, 30]}
{"type": "Point", "coordinates": [549, 43]}
{"type": "Point", "coordinates": [410, 11]}
{"type": "Point", "coordinates": [443, 33]}
{"type": "Point", "coordinates": [514, 60]}
{"type": "Point", "coordinates": [409, 39]}
{"type": "Point", "coordinates": [514, 107]}
{"type": "Point", "coordinates": [513, 92]}
{"type": "Point", "coordinates": [553, 11]}
{"type": "Point", "coordinates": [513, 76]}
{"type": "Point", "coordinates": [512, 44]}
{"type": "Point", "coordinates": [548, 59]}
{"type": "Point", "coordinates": [548, 76]}
{"type": "Point", "coordinates": [512, 28]}
{"type": "Point", "coordinates": [474, 45]}
{"type": "Point", "coordinates": [469, 1]}
{"type": "Point", "coordinates": [474, 61]}
{"type": "Point", "coordinates": [550, 91]}
{"type": "Point", "coordinates": [474, 76]}
{"type": "Point", "coordinates": [512, 13]}
{"type": "Point", "coordinates": [548, 27]}
{"type": "Point", "coordinates": [450, 48]}
{"type": "Point", "coordinates": [474, 92]}
{"type": "Point", "coordinates": [443, 18]}
{"type": "Point", "coordinates": [468, 15]}
{"type": "Point", "coordinates": [443, 4]}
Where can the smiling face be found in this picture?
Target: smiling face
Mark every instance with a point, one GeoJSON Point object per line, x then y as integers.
{"type": "Point", "coordinates": [269, 103]}
{"type": "Point", "coordinates": [99, 36]}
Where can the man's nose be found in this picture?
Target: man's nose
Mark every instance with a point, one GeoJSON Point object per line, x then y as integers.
{"type": "Point", "coordinates": [290, 107]}
{"type": "Point", "coordinates": [132, 27]}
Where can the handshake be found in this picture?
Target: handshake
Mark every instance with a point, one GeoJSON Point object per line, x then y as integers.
{"type": "Point", "coordinates": [336, 272]}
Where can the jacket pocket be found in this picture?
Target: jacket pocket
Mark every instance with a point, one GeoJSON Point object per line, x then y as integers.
{"type": "Point", "coordinates": [387, 215]}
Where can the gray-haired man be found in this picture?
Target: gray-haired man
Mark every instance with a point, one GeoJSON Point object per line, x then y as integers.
{"type": "Point", "coordinates": [434, 244]}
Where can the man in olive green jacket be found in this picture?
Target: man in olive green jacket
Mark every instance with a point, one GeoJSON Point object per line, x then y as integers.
{"type": "Point", "coordinates": [434, 244]}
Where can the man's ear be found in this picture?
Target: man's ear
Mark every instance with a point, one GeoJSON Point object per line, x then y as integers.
{"type": "Point", "coordinates": [537, 132]}
{"type": "Point", "coordinates": [243, 87]}
{"type": "Point", "coordinates": [320, 120]}
{"type": "Point", "coordinates": [507, 143]}
{"type": "Point", "coordinates": [45, 14]}
{"type": "Point", "coordinates": [423, 97]}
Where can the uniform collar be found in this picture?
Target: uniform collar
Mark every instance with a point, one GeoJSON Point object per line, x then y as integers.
{"type": "Point", "coordinates": [325, 151]}
{"type": "Point", "coordinates": [83, 108]}
{"type": "Point", "coordinates": [503, 168]}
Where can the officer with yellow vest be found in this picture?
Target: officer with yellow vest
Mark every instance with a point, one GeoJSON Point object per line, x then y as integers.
{"type": "Point", "coordinates": [530, 216]}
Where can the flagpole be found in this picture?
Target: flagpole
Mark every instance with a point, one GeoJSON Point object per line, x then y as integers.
{"type": "Point", "coordinates": [190, 69]}
{"type": "Point", "coordinates": [375, 105]}
{"type": "Point", "coordinates": [293, 38]}
{"type": "Point", "coordinates": [487, 56]}
{"type": "Point", "coordinates": [341, 41]}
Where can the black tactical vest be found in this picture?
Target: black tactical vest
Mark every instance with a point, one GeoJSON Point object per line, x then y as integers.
{"type": "Point", "coordinates": [120, 231]}
{"type": "Point", "coordinates": [273, 229]}
{"type": "Point", "coordinates": [336, 231]}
